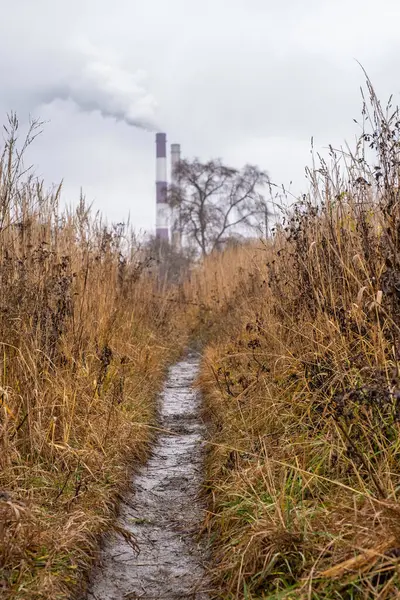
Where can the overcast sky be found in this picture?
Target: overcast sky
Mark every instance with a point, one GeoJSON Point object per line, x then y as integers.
{"type": "Point", "coordinates": [244, 80]}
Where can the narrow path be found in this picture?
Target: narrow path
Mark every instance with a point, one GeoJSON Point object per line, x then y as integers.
{"type": "Point", "coordinates": [164, 511]}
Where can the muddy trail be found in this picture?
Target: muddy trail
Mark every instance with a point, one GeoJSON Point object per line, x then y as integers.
{"type": "Point", "coordinates": [164, 511]}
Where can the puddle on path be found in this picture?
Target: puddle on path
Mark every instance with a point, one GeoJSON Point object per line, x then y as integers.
{"type": "Point", "coordinates": [164, 511]}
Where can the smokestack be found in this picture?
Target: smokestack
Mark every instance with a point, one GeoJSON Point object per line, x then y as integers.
{"type": "Point", "coordinates": [162, 216]}
{"type": "Point", "coordinates": [175, 158]}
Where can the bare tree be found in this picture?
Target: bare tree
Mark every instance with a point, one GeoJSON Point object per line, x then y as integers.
{"type": "Point", "coordinates": [213, 202]}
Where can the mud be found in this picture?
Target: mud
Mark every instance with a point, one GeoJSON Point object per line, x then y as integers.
{"type": "Point", "coordinates": [164, 512]}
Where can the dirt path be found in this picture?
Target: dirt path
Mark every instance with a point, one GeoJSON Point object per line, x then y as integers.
{"type": "Point", "coordinates": [164, 512]}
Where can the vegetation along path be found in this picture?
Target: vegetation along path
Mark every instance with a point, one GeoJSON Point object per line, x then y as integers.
{"type": "Point", "coordinates": [164, 512]}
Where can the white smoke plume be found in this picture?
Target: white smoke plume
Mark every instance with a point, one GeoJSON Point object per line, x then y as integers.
{"type": "Point", "coordinates": [100, 83]}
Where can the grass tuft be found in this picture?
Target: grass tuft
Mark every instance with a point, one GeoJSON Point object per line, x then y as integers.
{"type": "Point", "coordinates": [301, 383]}
{"type": "Point", "coordinates": [86, 334]}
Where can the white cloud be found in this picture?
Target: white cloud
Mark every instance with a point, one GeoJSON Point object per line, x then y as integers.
{"type": "Point", "coordinates": [101, 83]}
{"type": "Point", "coordinates": [244, 80]}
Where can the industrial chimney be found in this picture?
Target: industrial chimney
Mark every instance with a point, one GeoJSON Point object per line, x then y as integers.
{"type": "Point", "coordinates": [175, 158]}
{"type": "Point", "coordinates": [162, 215]}
{"type": "Point", "coordinates": [175, 217]}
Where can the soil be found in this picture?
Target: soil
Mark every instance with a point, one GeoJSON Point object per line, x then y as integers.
{"type": "Point", "coordinates": [164, 511]}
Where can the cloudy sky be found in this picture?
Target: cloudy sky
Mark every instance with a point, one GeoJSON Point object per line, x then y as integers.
{"type": "Point", "coordinates": [245, 80]}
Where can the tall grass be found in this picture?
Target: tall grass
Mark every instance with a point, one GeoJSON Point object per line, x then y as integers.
{"type": "Point", "coordinates": [301, 381]}
{"type": "Point", "coordinates": [85, 337]}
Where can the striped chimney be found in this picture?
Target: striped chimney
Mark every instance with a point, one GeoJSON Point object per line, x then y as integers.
{"type": "Point", "coordinates": [162, 215]}
{"type": "Point", "coordinates": [175, 158]}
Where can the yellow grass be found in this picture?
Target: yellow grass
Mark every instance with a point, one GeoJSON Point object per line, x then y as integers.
{"type": "Point", "coordinates": [300, 378]}
{"type": "Point", "coordinates": [85, 337]}
{"type": "Point", "coordinates": [301, 383]}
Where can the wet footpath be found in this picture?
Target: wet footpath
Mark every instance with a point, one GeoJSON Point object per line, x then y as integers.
{"type": "Point", "coordinates": [164, 512]}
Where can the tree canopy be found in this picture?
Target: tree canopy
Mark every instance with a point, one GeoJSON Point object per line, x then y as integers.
{"type": "Point", "coordinates": [213, 203]}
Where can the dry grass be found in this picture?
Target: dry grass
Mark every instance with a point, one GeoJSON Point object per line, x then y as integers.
{"type": "Point", "coordinates": [85, 337]}
{"type": "Point", "coordinates": [301, 381]}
